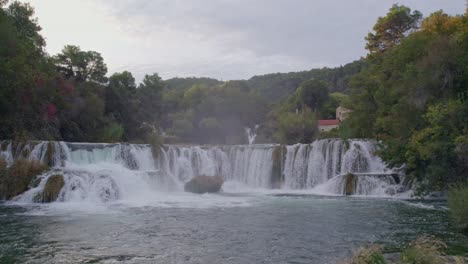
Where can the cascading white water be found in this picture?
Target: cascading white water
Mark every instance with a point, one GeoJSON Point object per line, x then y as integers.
{"type": "Point", "coordinates": [308, 166]}
{"type": "Point", "coordinates": [250, 165]}
{"type": "Point", "coordinates": [251, 134]}
{"type": "Point", "coordinates": [107, 172]}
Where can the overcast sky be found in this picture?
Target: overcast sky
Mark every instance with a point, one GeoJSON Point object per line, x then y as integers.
{"type": "Point", "coordinates": [224, 39]}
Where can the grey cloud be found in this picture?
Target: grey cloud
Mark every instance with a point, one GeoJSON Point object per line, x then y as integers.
{"type": "Point", "coordinates": [304, 31]}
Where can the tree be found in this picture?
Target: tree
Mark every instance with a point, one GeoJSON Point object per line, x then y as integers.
{"type": "Point", "coordinates": [23, 70]}
{"type": "Point", "coordinates": [121, 102]}
{"type": "Point", "coordinates": [80, 65]}
{"type": "Point", "coordinates": [313, 93]}
{"type": "Point", "coordinates": [27, 26]}
{"type": "Point", "coordinates": [149, 96]}
{"type": "Point", "coordinates": [432, 152]}
{"type": "Point", "coordinates": [296, 127]}
{"type": "Point", "coordinates": [392, 28]}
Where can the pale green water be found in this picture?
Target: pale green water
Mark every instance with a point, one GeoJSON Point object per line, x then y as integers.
{"type": "Point", "coordinates": [259, 229]}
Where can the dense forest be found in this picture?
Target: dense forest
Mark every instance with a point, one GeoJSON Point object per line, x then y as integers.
{"type": "Point", "coordinates": [413, 95]}
{"type": "Point", "coordinates": [410, 92]}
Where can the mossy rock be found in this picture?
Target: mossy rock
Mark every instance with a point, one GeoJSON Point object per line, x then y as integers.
{"type": "Point", "coordinates": [278, 157]}
{"type": "Point", "coordinates": [16, 179]}
{"type": "Point", "coordinates": [350, 183]}
{"type": "Point", "coordinates": [50, 153]}
{"type": "Point", "coordinates": [52, 188]}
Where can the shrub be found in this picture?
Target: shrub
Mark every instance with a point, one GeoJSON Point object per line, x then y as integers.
{"type": "Point", "coordinates": [424, 250]}
{"type": "Point", "coordinates": [112, 133]}
{"type": "Point", "coordinates": [16, 179]}
{"type": "Point", "coordinates": [371, 254]}
{"type": "Point", "coordinates": [458, 205]}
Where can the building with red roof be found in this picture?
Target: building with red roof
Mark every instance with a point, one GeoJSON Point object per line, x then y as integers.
{"type": "Point", "coordinates": [328, 124]}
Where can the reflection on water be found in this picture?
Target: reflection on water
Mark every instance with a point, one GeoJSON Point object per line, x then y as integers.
{"type": "Point", "coordinates": [263, 229]}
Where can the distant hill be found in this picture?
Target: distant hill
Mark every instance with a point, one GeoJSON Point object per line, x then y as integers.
{"type": "Point", "coordinates": [276, 86]}
{"type": "Point", "coordinates": [186, 83]}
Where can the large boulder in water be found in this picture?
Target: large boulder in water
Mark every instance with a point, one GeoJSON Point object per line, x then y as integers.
{"type": "Point", "coordinates": [204, 184]}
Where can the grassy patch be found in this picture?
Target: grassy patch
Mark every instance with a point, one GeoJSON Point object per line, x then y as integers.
{"type": "Point", "coordinates": [424, 250]}
{"type": "Point", "coordinates": [458, 205]}
{"type": "Point", "coordinates": [371, 254]}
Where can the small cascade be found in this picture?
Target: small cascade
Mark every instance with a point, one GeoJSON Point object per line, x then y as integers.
{"type": "Point", "coordinates": [97, 172]}
{"type": "Point", "coordinates": [251, 134]}
{"type": "Point", "coordinates": [251, 165]}
{"type": "Point", "coordinates": [323, 161]}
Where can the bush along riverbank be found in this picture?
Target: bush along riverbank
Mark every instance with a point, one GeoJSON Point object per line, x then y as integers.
{"type": "Point", "coordinates": [423, 250]}
{"type": "Point", "coordinates": [458, 205]}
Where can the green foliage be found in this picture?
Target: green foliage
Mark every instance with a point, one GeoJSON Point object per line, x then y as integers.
{"type": "Point", "coordinates": [278, 86]}
{"type": "Point", "coordinates": [431, 151]}
{"type": "Point", "coordinates": [390, 29]}
{"type": "Point", "coordinates": [457, 202]}
{"type": "Point", "coordinates": [424, 250]}
{"type": "Point", "coordinates": [312, 93]}
{"type": "Point", "coordinates": [298, 127]}
{"type": "Point", "coordinates": [182, 84]}
{"type": "Point", "coordinates": [81, 65]}
{"type": "Point", "coordinates": [371, 254]}
{"type": "Point", "coordinates": [182, 124]}
{"type": "Point", "coordinates": [215, 114]}
{"type": "Point", "coordinates": [412, 96]}
{"type": "Point", "coordinates": [113, 133]}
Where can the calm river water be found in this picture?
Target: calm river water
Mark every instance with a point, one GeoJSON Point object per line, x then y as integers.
{"type": "Point", "coordinates": [229, 228]}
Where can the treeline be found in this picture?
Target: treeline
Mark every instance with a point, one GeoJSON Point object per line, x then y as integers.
{"type": "Point", "coordinates": [68, 97]}
{"type": "Point", "coordinates": [413, 95]}
{"type": "Point", "coordinates": [278, 86]}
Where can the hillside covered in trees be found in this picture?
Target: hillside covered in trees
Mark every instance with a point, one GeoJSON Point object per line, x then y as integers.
{"type": "Point", "coordinates": [410, 92]}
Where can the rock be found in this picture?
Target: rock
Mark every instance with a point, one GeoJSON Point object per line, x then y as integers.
{"type": "Point", "coordinates": [204, 184]}
{"type": "Point", "coordinates": [52, 188]}
{"type": "Point", "coordinates": [400, 189]}
{"type": "Point", "coordinates": [278, 157]}
{"type": "Point", "coordinates": [350, 183]}
{"type": "Point", "coordinates": [390, 191]}
{"type": "Point", "coordinates": [16, 179]}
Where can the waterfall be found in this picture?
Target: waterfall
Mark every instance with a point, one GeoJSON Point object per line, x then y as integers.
{"type": "Point", "coordinates": [97, 172]}
{"type": "Point", "coordinates": [324, 164]}
{"type": "Point", "coordinates": [251, 134]}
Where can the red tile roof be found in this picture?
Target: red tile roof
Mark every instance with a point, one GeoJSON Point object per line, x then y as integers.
{"type": "Point", "coordinates": [329, 122]}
